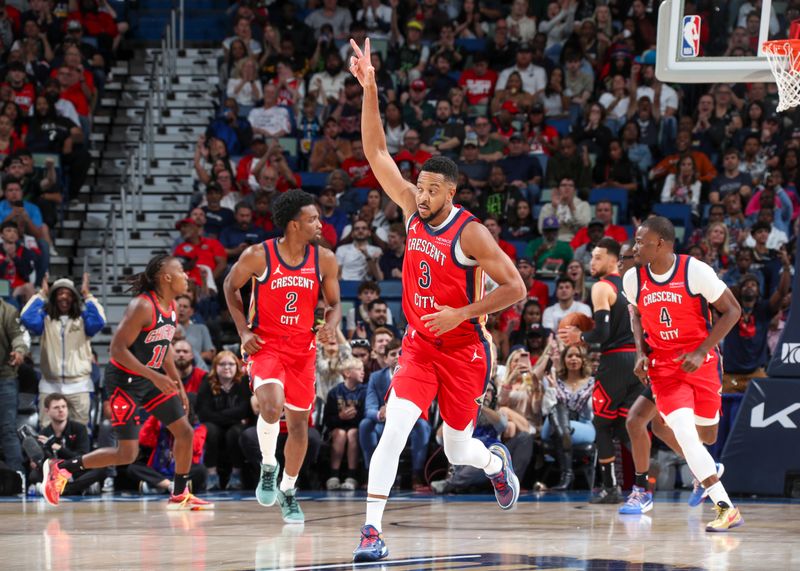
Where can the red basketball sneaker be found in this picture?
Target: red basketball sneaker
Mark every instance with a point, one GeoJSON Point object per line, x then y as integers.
{"type": "Point", "coordinates": [189, 502]}
{"type": "Point", "coordinates": [55, 479]}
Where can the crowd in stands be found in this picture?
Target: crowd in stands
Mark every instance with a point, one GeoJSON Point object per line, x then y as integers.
{"type": "Point", "coordinates": [562, 134]}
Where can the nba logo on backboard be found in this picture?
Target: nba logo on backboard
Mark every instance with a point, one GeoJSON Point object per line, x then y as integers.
{"type": "Point", "coordinates": [690, 46]}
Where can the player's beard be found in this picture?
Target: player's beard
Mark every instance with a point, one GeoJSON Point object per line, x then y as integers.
{"type": "Point", "coordinates": [431, 216]}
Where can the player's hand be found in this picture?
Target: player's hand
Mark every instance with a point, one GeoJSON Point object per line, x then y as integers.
{"type": "Point", "coordinates": [163, 383]}
{"type": "Point", "coordinates": [382, 413]}
{"type": "Point", "coordinates": [640, 370]}
{"type": "Point", "coordinates": [690, 362]}
{"type": "Point", "coordinates": [569, 335]}
{"type": "Point", "coordinates": [446, 319]}
{"type": "Point", "coordinates": [251, 343]}
{"type": "Point", "coordinates": [326, 333]}
{"type": "Point", "coordinates": [361, 64]}
{"type": "Point", "coordinates": [15, 358]}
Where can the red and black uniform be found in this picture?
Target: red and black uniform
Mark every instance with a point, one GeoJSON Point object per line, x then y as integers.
{"type": "Point", "coordinates": [282, 314]}
{"type": "Point", "coordinates": [456, 365]}
{"type": "Point", "coordinates": [677, 321]}
{"type": "Point", "coordinates": [128, 391]}
{"type": "Point", "coordinates": [616, 386]}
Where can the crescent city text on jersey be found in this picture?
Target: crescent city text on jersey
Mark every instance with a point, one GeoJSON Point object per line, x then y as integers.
{"type": "Point", "coordinates": [292, 281]}
{"type": "Point", "coordinates": [662, 296]}
{"type": "Point", "coordinates": [426, 247]}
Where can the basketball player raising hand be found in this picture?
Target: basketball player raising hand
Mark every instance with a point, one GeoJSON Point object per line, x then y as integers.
{"type": "Point", "coordinates": [446, 349]}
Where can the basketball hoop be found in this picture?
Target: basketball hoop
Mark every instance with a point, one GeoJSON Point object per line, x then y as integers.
{"type": "Point", "coordinates": [784, 60]}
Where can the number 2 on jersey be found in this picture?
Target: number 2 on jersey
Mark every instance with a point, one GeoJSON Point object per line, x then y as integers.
{"type": "Point", "coordinates": [159, 353]}
{"type": "Point", "coordinates": [425, 280]}
{"type": "Point", "coordinates": [291, 301]}
{"type": "Point", "coordinates": [665, 318]}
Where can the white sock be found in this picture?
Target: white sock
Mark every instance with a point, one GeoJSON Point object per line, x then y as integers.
{"type": "Point", "coordinates": [287, 482]}
{"type": "Point", "coordinates": [494, 466]}
{"type": "Point", "coordinates": [718, 494]}
{"type": "Point", "coordinates": [401, 415]}
{"type": "Point", "coordinates": [375, 508]}
{"type": "Point", "coordinates": [268, 440]}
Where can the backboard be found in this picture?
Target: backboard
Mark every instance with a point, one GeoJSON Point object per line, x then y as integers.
{"type": "Point", "coordinates": [711, 41]}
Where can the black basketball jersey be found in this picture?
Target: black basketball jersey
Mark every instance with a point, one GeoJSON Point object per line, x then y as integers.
{"type": "Point", "coordinates": [620, 334]}
{"type": "Point", "coordinates": [152, 344]}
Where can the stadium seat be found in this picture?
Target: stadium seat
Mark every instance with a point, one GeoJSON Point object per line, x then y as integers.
{"type": "Point", "coordinates": [348, 289]}
{"type": "Point", "coordinates": [679, 214]}
{"type": "Point", "coordinates": [313, 181]}
{"type": "Point", "coordinates": [391, 289]}
{"type": "Point", "coordinates": [471, 45]}
{"type": "Point", "coordinates": [617, 196]}
{"type": "Point", "coordinates": [519, 246]}
{"type": "Point", "coordinates": [561, 124]}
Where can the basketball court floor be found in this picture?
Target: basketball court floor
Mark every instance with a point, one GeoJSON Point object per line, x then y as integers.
{"type": "Point", "coordinates": [548, 531]}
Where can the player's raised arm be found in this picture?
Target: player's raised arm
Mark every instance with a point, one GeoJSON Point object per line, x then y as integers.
{"type": "Point", "coordinates": [386, 171]}
{"type": "Point", "coordinates": [252, 262]}
{"type": "Point", "coordinates": [477, 243]}
{"type": "Point", "coordinates": [330, 292]}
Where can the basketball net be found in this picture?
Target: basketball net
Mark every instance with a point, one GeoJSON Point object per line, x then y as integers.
{"type": "Point", "coordinates": [784, 60]}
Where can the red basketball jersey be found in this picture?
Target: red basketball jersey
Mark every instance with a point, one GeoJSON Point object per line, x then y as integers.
{"type": "Point", "coordinates": [431, 273]}
{"type": "Point", "coordinates": [284, 297]}
{"type": "Point", "coordinates": [674, 319]}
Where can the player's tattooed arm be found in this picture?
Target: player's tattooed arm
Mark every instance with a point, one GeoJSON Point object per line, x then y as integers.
{"type": "Point", "coordinates": [252, 262]}
{"type": "Point", "coordinates": [330, 292]}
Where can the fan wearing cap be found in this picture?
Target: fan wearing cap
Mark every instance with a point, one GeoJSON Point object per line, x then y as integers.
{"type": "Point", "coordinates": [644, 83]}
{"type": "Point", "coordinates": [412, 54]}
{"type": "Point", "coordinates": [417, 108]}
{"type": "Point", "coordinates": [550, 254]}
{"type": "Point", "coordinates": [207, 252]}
{"type": "Point", "coordinates": [534, 78]}
{"type": "Point", "coordinates": [66, 330]}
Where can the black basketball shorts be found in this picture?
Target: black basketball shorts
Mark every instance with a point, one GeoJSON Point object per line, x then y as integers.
{"type": "Point", "coordinates": [129, 395]}
{"type": "Point", "coordinates": [615, 385]}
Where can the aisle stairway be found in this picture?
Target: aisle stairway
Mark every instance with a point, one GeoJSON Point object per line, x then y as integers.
{"type": "Point", "coordinates": [165, 195]}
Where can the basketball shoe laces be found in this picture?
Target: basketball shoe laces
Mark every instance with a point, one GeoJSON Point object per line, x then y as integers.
{"type": "Point", "coordinates": [499, 481]}
{"type": "Point", "coordinates": [265, 479]}
{"type": "Point", "coordinates": [636, 496]}
{"type": "Point", "coordinates": [369, 540]}
{"type": "Point", "coordinates": [291, 504]}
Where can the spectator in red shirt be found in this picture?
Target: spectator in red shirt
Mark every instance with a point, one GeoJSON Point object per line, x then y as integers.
{"type": "Point", "coordinates": [479, 81]}
{"type": "Point", "coordinates": [207, 251]}
{"type": "Point", "coordinates": [537, 290]}
{"type": "Point", "coordinates": [493, 225]}
{"type": "Point", "coordinates": [358, 169]}
{"type": "Point", "coordinates": [604, 212]}
{"type": "Point", "coordinates": [262, 213]}
{"type": "Point", "coordinates": [247, 165]}
{"type": "Point", "coordinates": [24, 92]}
{"type": "Point", "coordinates": [9, 143]}
{"type": "Point", "coordinates": [191, 376]}
{"type": "Point", "coordinates": [16, 262]}
{"type": "Point", "coordinates": [411, 155]}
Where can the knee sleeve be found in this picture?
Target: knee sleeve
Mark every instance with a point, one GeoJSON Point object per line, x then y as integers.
{"type": "Point", "coordinates": [401, 415]}
{"type": "Point", "coordinates": [697, 457]}
{"type": "Point", "coordinates": [462, 449]}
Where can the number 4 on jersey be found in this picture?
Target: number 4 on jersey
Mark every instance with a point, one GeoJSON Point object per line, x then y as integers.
{"type": "Point", "coordinates": [665, 318]}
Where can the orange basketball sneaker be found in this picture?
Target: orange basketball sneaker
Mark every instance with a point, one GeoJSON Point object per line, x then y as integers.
{"type": "Point", "coordinates": [55, 478]}
{"type": "Point", "coordinates": [188, 501]}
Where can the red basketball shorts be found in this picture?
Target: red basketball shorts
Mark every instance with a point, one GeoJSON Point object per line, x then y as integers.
{"type": "Point", "coordinates": [290, 362]}
{"type": "Point", "coordinates": [457, 373]}
{"type": "Point", "coordinates": [674, 388]}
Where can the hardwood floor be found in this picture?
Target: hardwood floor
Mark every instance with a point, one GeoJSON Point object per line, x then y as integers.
{"type": "Point", "coordinates": [422, 532]}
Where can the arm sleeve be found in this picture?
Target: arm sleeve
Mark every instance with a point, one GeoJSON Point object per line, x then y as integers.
{"type": "Point", "coordinates": [602, 328]}
{"type": "Point", "coordinates": [703, 280]}
{"type": "Point", "coordinates": [94, 318]}
{"type": "Point", "coordinates": [32, 316]}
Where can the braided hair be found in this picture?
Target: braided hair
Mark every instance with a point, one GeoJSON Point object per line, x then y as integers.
{"type": "Point", "coordinates": [148, 279]}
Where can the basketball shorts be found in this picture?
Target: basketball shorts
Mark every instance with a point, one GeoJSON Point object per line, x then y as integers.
{"type": "Point", "coordinates": [615, 385]}
{"type": "Point", "coordinates": [648, 394]}
{"type": "Point", "coordinates": [129, 395]}
{"type": "Point", "coordinates": [457, 372]}
{"type": "Point", "coordinates": [674, 388]}
{"type": "Point", "coordinates": [290, 362]}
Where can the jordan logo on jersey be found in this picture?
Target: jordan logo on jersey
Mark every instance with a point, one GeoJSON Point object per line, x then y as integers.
{"type": "Point", "coordinates": [413, 227]}
{"type": "Point", "coordinates": [277, 272]}
{"type": "Point", "coordinates": [312, 346]}
{"type": "Point", "coordinates": [160, 318]}
{"type": "Point", "coordinates": [644, 287]}
{"type": "Point", "coordinates": [475, 356]}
